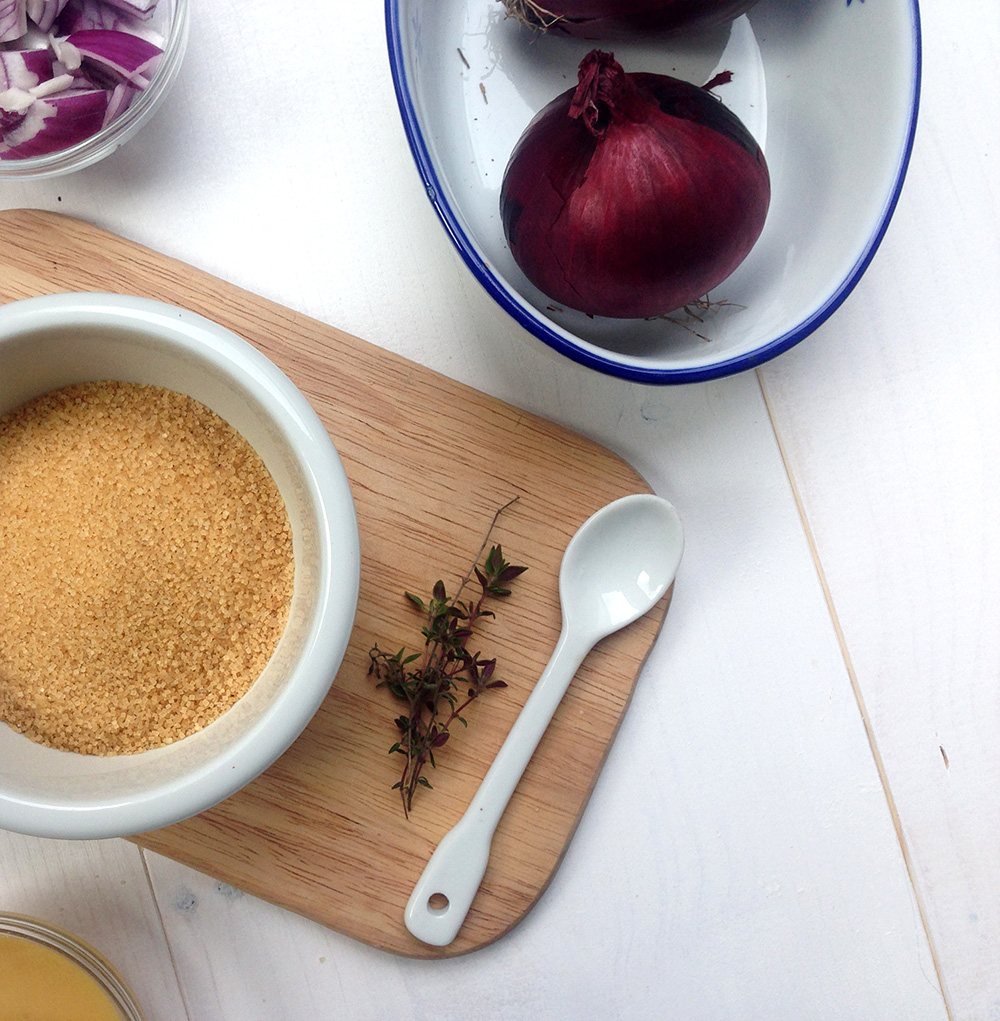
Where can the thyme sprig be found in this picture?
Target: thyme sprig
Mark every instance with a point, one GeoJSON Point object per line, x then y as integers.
{"type": "Point", "coordinates": [448, 677]}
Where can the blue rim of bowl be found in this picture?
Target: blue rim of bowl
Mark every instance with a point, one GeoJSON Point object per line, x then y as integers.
{"type": "Point", "coordinates": [594, 360]}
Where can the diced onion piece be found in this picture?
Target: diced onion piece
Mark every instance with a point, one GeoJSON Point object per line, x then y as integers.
{"type": "Point", "coordinates": [58, 83]}
{"type": "Point", "coordinates": [13, 20]}
{"type": "Point", "coordinates": [55, 123]}
{"type": "Point", "coordinates": [23, 69]}
{"type": "Point", "coordinates": [118, 101]}
{"type": "Point", "coordinates": [80, 15]}
{"type": "Point", "coordinates": [109, 58]}
{"type": "Point", "coordinates": [44, 12]}
{"type": "Point", "coordinates": [142, 10]}
{"type": "Point", "coordinates": [15, 101]}
{"type": "Point", "coordinates": [66, 54]}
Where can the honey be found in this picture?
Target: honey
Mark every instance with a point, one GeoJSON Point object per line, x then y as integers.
{"type": "Point", "coordinates": [39, 983]}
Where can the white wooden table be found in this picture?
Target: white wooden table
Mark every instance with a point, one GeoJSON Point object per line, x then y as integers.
{"type": "Point", "coordinates": [800, 818]}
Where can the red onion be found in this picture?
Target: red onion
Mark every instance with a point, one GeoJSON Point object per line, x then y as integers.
{"type": "Point", "coordinates": [109, 58]}
{"type": "Point", "coordinates": [23, 69]}
{"type": "Point", "coordinates": [141, 9]}
{"type": "Point", "coordinates": [95, 56]}
{"type": "Point", "coordinates": [606, 19]}
{"type": "Point", "coordinates": [633, 195]}
{"type": "Point", "coordinates": [56, 122]}
{"type": "Point", "coordinates": [44, 12]}
{"type": "Point", "coordinates": [80, 15]}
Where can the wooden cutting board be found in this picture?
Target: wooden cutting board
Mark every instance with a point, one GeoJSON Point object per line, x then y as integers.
{"type": "Point", "coordinates": [429, 461]}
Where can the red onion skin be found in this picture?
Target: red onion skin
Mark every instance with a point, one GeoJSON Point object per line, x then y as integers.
{"type": "Point", "coordinates": [611, 19]}
{"type": "Point", "coordinates": [647, 215]}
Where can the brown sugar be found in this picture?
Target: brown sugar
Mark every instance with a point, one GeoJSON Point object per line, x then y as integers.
{"type": "Point", "coordinates": [146, 567]}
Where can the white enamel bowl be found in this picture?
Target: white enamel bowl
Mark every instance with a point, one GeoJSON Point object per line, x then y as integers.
{"type": "Point", "coordinates": [830, 90]}
{"type": "Point", "coordinates": [54, 341]}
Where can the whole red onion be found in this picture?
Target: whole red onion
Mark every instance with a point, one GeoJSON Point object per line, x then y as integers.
{"type": "Point", "coordinates": [632, 194]}
{"type": "Point", "coordinates": [605, 19]}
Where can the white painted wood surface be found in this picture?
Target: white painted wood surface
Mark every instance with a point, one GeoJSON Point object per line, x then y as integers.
{"type": "Point", "coordinates": [800, 818]}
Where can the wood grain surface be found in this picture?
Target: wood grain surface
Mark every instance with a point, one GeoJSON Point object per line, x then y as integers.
{"type": "Point", "coordinates": [429, 461]}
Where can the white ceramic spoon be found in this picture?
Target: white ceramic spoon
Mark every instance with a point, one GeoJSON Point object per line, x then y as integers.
{"type": "Point", "coordinates": [619, 564]}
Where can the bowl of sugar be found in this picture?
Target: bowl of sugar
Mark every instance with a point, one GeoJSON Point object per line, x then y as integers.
{"type": "Point", "coordinates": [181, 564]}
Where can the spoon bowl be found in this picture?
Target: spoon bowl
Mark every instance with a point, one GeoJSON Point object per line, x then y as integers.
{"type": "Point", "coordinates": [619, 564]}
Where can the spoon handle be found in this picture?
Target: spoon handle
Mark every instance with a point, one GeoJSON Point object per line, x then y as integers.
{"type": "Point", "coordinates": [444, 892]}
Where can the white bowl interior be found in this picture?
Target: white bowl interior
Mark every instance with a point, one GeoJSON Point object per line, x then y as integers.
{"type": "Point", "coordinates": [829, 90]}
{"type": "Point", "coordinates": [66, 794]}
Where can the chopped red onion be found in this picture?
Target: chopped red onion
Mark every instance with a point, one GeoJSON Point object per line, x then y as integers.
{"type": "Point", "coordinates": [54, 122]}
{"type": "Point", "coordinates": [65, 54]}
{"type": "Point", "coordinates": [109, 58]}
{"type": "Point", "coordinates": [83, 15]}
{"type": "Point", "coordinates": [77, 67]}
{"type": "Point", "coordinates": [44, 12]}
{"type": "Point", "coordinates": [118, 102]}
{"type": "Point", "coordinates": [49, 87]}
{"type": "Point", "coordinates": [15, 103]}
{"type": "Point", "coordinates": [22, 69]}
{"type": "Point", "coordinates": [142, 10]}
{"type": "Point", "coordinates": [13, 20]}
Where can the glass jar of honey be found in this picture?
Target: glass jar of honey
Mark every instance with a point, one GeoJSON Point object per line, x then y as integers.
{"type": "Point", "coordinates": [47, 972]}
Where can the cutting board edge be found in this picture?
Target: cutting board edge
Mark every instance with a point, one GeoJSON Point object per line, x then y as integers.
{"type": "Point", "coordinates": [14, 215]}
{"type": "Point", "coordinates": [427, 952]}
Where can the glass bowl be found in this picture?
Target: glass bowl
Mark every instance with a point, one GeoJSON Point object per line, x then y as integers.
{"type": "Point", "coordinates": [72, 949]}
{"type": "Point", "coordinates": [170, 20]}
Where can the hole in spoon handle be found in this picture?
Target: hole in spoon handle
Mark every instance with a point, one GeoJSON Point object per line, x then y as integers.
{"type": "Point", "coordinates": [447, 887]}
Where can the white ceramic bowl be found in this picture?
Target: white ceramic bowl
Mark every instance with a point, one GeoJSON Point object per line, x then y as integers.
{"type": "Point", "coordinates": [54, 341]}
{"type": "Point", "coordinates": [830, 91]}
